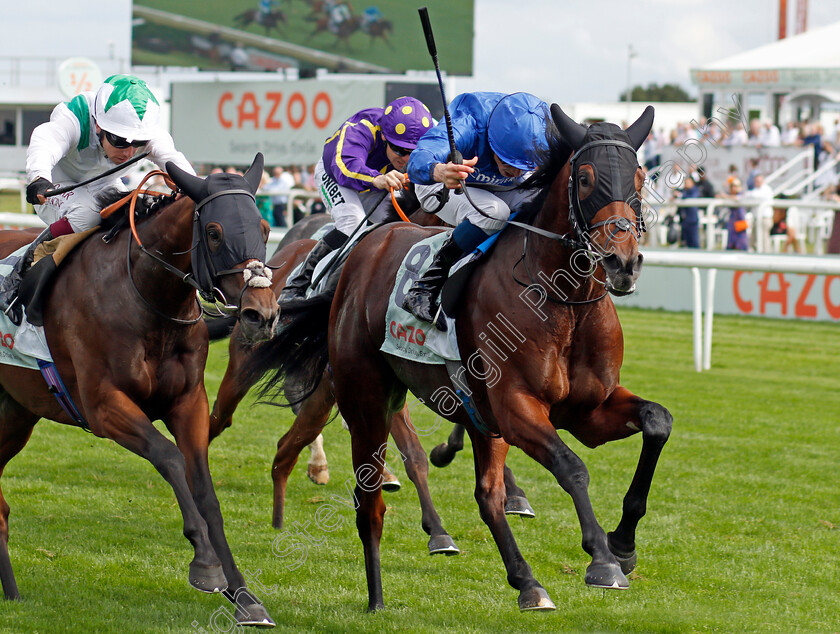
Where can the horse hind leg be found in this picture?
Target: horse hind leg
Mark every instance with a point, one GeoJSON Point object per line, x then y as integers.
{"type": "Point", "coordinates": [16, 426]}
{"type": "Point", "coordinates": [311, 418]}
{"type": "Point", "coordinates": [417, 468]}
{"type": "Point", "coordinates": [517, 502]}
{"type": "Point", "coordinates": [442, 455]}
{"type": "Point", "coordinates": [318, 469]}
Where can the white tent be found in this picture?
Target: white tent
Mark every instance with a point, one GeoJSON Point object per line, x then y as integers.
{"type": "Point", "coordinates": [800, 70]}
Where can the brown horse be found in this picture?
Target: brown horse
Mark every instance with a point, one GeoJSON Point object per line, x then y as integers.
{"type": "Point", "coordinates": [271, 20]}
{"type": "Point", "coordinates": [313, 413]}
{"type": "Point", "coordinates": [379, 29]}
{"type": "Point", "coordinates": [554, 366]}
{"type": "Point", "coordinates": [125, 332]}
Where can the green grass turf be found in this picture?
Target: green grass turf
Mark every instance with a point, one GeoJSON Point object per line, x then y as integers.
{"type": "Point", "coordinates": [741, 533]}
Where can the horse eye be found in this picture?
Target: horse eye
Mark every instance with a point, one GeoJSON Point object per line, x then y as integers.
{"type": "Point", "coordinates": [214, 234]}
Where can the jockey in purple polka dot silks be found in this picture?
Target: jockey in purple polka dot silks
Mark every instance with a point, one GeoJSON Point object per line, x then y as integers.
{"type": "Point", "coordinates": [361, 162]}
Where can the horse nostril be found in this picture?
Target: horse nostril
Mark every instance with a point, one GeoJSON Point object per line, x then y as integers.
{"type": "Point", "coordinates": [251, 317]}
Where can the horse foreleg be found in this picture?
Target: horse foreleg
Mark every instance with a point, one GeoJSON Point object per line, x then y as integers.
{"type": "Point", "coordinates": [311, 418]}
{"type": "Point", "coordinates": [523, 421]}
{"type": "Point", "coordinates": [417, 468]}
{"type": "Point", "coordinates": [16, 426]}
{"type": "Point", "coordinates": [445, 452]}
{"type": "Point", "coordinates": [623, 410]}
{"type": "Point", "coordinates": [122, 421]}
{"type": "Point", "coordinates": [489, 455]}
{"type": "Point", "coordinates": [188, 423]}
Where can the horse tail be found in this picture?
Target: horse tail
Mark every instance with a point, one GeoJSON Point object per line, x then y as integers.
{"type": "Point", "coordinates": [220, 327]}
{"type": "Point", "coordinates": [297, 355]}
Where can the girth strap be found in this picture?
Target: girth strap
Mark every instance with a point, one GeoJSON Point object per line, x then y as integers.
{"type": "Point", "coordinates": [56, 387]}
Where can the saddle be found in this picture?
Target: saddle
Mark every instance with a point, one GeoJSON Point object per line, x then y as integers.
{"type": "Point", "coordinates": [38, 279]}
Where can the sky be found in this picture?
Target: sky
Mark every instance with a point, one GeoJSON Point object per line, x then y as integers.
{"type": "Point", "coordinates": [577, 50]}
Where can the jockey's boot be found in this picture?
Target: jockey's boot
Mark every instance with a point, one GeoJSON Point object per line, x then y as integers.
{"type": "Point", "coordinates": [11, 283]}
{"type": "Point", "coordinates": [421, 299]}
{"type": "Point", "coordinates": [296, 287]}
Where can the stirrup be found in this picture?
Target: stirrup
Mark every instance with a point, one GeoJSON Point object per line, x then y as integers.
{"type": "Point", "coordinates": [439, 320]}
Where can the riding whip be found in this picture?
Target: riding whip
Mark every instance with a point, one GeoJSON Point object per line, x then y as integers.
{"type": "Point", "coordinates": [454, 154]}
{"type": "Point", "coordinates": [116, 168]}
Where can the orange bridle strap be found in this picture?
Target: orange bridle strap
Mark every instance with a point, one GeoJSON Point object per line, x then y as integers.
{"type": "Point", "coordinates": [132, 197]}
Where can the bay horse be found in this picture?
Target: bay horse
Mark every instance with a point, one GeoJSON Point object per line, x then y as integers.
{"type": "Point", "coordinates": [555, 366]}
{"type": "Point", "coordinates": [124, 329]}
{"type": "Point", "coordinates": [313, 412]}
{"type": "Point", "coordinates": [271, 20]}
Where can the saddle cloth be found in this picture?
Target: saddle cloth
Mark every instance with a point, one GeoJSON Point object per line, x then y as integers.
{"type": "Point", "coordinates": [405, 335]}
{"type": "Point", "coordinates": [23, 345]}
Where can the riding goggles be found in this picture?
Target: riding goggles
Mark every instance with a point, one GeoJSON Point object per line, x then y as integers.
{"type": "Point", "coordinates": [121, 143]}
{"type": "Point", "coordinates": [399, 151]}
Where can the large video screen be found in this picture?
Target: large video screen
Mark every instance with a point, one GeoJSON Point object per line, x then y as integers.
{"type": "Point", "coordinates": [272, 35]}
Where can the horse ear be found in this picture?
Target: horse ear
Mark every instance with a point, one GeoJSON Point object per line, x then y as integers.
{"type": "Point", "coordinates": [254, 173]}
{"type": "Point", "coordinates": [571, 131]}
{"type": "Point", "coordinates": [192, 186]}
{"type": "Point", "coordinates": [640, 128]}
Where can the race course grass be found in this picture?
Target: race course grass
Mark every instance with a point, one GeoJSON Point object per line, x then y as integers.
{"type": "Point", "coordinates": [742, 532]}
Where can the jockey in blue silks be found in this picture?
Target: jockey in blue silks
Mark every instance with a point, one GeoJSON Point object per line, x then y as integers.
{"type": "Point", "coordinates": [365, 158]}
{"type": "Point", "coordinates": [498, 135]}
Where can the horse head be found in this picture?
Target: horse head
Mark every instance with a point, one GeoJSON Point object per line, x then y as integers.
{"type": "Point", "coordinates": [604, 193]}
{"type": "Point", "coordinates": [229, 238]}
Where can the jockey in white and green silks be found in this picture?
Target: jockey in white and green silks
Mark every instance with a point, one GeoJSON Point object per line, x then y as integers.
{"type": "Point", "coordinates": [86, 136]}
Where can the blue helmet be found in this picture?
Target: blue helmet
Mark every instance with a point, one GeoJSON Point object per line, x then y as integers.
{"type": "Point", "coordinates": [405, 120]}
{"type": "Point", "coordinates": [517, 128]}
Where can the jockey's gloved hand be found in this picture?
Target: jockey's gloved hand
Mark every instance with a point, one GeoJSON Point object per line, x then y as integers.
{"type": "Point", "coordinates": [38, 187]}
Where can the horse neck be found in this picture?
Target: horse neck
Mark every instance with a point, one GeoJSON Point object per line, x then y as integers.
{"type": "Point", "coordinates": [168, 236]}
{"type": "Point", "coordinates": [170, 231]}
{"type": "Point", "coordinates": [566, 267]}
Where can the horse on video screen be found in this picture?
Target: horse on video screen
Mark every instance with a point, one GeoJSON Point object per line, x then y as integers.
{"type": "Point", "coordinates": [539, 334]}
{"type": "Point", "coordinates": [124, 328]}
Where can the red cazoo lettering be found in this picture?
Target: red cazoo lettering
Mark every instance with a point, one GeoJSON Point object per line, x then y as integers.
{"type": "Point", "coordinates": [409, 334]}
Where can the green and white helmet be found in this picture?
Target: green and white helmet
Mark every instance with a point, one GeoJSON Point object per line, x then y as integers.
{"type": "Point", "coordinates": [125, 106]}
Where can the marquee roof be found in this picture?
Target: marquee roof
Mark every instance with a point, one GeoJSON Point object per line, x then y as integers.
{"type": "Point", "coordinates": [810, 59]}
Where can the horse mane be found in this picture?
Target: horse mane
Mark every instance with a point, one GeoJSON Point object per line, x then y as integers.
{"type": "Point", "coordinates": [550, 161]}
{"type": "Point", "coordinates": [145, 207]}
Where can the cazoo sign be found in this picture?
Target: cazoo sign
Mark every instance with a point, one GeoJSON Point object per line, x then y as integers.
{"type": "Point", "coordinates": [227, 123]}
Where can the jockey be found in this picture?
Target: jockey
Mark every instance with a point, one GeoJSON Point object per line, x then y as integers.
{"type": "Point", "coordinates": [361, 162]}
{"type": "Point", "coordinates": [93, 132]}
{"type": "Point", "coordinates": [501, 134]}
{"type": "Point", "coordinates": [264, 9]}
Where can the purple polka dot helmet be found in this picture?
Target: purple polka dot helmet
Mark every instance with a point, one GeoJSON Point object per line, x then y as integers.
{"type": "Point", "coordinates": [405, 120]}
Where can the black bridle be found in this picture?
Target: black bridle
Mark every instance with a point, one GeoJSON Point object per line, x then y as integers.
{"type": "Point", "coordinates": [210, 291]}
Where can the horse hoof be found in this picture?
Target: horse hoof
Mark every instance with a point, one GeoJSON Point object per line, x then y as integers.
{"type": "Point", "coordinates": [606, 576]}
{"type": "Point", "coordinates": [207, 578]}
{"type": "Point", "coordinates": [319, 474]}
{"type": "Point", "coordinates": [439, 457]}
{"type": "Point", "coordinates": [627, 560]}
{"type": "Point", "coordinates": [442, 545]}
{"type": "Point", "coordinates": [254, 615]}
{"type": "Point", "coordinates": [535, 599]}
{"type": "Point", "coordinates": [518, 505]}
{"type": "Point", "coordinates": [390, 481]}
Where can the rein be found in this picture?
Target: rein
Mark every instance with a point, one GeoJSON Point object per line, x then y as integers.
{"type": "Point", "coordinates": [253, 277]}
